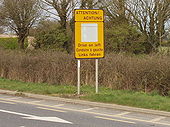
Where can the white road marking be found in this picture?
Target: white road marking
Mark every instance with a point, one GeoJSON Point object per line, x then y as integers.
{"type": "Point", "coordinates": [157, 119]}
{"type": "Point", "coordinates": [7, 102]}
{"type": "Point", "coordinates": [15, 113]}
{"type": "Point", "coordinates": [123, 113]}
{"type": "Point", "coordinates": [32, 117]}
{"type": "Point", "coordinates": [90, 109]}
{"type": "Point", "coordinates": [49, 119]}
{"type": "Point", "coordinates": [104, 118]}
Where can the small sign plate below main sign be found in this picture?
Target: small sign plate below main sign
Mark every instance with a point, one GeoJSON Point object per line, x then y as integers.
{"type": "Point", "coordinates": [89, 34]}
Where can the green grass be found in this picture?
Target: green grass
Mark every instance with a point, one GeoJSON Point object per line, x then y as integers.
{"type": "Point", "coordinates": [129, 98]}
{"type": "Point", "coordinates": [10, 43]}
{"type": "Point", "coordinates": [36, 88]}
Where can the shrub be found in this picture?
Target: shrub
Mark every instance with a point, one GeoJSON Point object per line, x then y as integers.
{"type": "Point", "coordinates": [51, 36]}
{"type": "Point", "coordinates": [124, 38]}
{"type": "Point", "coordinates": [117, 71]}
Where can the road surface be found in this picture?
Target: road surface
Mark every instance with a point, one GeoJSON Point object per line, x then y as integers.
{"type": "Point", "coordinates": [28, 112]}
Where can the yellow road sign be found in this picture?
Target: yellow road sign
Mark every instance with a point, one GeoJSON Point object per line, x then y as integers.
{"type": "Point", "coordinates": [89, 34]}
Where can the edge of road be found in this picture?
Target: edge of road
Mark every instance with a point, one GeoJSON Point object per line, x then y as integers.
{"type": "Point", "coordinates": [87, 103]}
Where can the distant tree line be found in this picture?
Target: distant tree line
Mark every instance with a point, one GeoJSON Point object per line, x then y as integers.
{"type": "Point", "coordinates": [135, 26]}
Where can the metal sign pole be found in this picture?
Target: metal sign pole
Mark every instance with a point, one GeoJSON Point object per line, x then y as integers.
{"type": "Point", "coordinates": [78, 77]}
{"type": "Point", "coordinates": [97, 76]}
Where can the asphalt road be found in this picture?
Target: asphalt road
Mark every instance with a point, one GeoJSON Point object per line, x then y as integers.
{"type": "Point", "coordinates": [28, 112]}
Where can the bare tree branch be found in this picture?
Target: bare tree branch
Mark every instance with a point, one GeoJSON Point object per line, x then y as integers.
{"type": "Point", "coordinates": [19, 15]}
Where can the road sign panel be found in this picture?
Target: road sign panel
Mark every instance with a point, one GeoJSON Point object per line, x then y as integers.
{"type": "Point", "coordinates": [90, 45]}
{"type": "Point", "coordinates": [89, 34]}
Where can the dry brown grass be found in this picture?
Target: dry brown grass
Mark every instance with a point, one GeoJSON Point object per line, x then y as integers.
{"type": "Point", "coordinates": [117, 71]}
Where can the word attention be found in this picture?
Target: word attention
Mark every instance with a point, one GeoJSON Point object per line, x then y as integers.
{"type": "Point", "coordinates": [86, 15]}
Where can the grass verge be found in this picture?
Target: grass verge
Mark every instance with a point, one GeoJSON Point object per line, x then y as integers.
{"type": "Point", "coordinates": [128, 98]}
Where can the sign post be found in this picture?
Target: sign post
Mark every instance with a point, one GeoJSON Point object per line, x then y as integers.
{"type": "Point", "coordinates": [97, 75]}
{"type": "Point", "coordinates": [89, 37]}
{"type": "Point", "coordinates": [78, 77]}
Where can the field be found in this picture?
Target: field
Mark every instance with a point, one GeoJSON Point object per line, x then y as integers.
{"type": "Point", "coordinates": [10, 43]}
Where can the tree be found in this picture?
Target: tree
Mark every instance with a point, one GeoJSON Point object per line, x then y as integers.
{"type": "Point", "coordinates": [19, 15]}
{"type": "Point", "coordinates": [89, 4]}
{"type": "Point", "coordinates": [150, 16]}
{"type": "Point", "coordinates": [49, 35]}
{"type": "Point", "coordinates": [124, 38]}
{"type": "Point", "coordinates": [121, 35]}
{"type": "Point", "coordinates": [115, 11]}
{"type": "Point", "coordinates": [63, 10]}
{"type": "Point", "coordinates": [1, 30]}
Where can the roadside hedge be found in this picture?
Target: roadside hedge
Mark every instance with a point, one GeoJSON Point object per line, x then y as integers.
{"type": "Point", "coordinates": [149, 73]}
